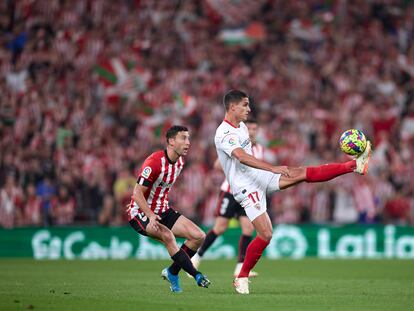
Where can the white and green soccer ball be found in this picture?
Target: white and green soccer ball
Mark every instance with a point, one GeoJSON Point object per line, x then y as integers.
{"type": "Point", "coordinates": [353, 142]}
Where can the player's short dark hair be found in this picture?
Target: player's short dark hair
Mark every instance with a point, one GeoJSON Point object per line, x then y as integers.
{"type": "Point", "coordinates": [233, 96]}
{"type": "Point", "coordinates": [173, 131]}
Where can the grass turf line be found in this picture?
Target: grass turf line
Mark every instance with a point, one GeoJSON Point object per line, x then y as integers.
{"type": "Point", "coordinates": [309, 284]}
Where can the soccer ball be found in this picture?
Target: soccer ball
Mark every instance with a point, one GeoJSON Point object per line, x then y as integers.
{"type": "Point", "coordinates": [353, 142]}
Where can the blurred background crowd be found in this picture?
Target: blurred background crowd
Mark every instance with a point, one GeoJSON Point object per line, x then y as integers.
{"type": "Point", "coordinates": [88, 87]}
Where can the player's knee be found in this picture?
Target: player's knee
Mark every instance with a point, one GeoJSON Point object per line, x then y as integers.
{"type": "Point", "coordinates": [200, 236]}
{"type": "Point", "coordinates": [266, 235]}
{"type": "Point", "coordinates": [248, 231]}
{"type": "Point", "coordinates": [219, 230]}
{"type": "Point", "coordinates": [220, 227]}
{"type": "Point", "coordinates": [197, 237]}
{"type": "Point", "coordinates": [168, 237]}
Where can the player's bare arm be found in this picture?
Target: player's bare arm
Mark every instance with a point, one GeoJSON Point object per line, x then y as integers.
{"type": "Point", "coordinates": [138, 196]}
{"type": "Point", "coordinates": [250, 160]}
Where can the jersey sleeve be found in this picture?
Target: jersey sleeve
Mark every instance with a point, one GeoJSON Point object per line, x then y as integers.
{"type": "Point", "coordinates": [149, 172]}
{"type": "Point", "coordinates": [229, 142]}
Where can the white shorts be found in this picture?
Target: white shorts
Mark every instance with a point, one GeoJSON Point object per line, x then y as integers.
{"type": "Point", "coordinates": [253, 197]}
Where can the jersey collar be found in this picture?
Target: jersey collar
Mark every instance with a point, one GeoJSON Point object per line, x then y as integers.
{"type": "Point", "coordinates": [227, 121]}
{"type": "Point", "coordinates": [168, 159]}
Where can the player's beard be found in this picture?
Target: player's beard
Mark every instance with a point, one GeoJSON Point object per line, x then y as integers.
{"type": "Point", "coordinates": [177, 153]}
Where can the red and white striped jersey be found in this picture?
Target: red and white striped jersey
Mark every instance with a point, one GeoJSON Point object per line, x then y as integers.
{"type": "Point", "coordinates": [157, 173]}
{"type": "Point", "coordinates": [258, 152]}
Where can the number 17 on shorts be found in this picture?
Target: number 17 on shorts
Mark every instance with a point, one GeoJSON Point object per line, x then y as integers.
{"type": "Point", "coordinates": [254, 203]}
{"type": "Point", "coordinates": [254, 198]}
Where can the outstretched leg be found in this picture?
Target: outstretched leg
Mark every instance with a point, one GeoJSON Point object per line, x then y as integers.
{"type": "Point", "coordinates": [327, 171]}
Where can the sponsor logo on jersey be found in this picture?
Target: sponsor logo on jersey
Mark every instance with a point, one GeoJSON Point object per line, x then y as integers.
{"type": "Point", "coordinates": [245, 143]}
{"type": "Point", "coordinates": [146, 172]}
{"type": "Point", "coordinates": [226, 132]}
{"type": "Point", "coordinates": [165, 185]}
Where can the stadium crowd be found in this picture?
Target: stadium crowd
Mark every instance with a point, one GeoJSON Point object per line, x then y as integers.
{"type": "Point", "coordinates": [87, 89]}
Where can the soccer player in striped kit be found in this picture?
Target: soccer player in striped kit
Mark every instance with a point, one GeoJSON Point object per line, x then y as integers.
{"type": "Point", "coordinates": [227, 208]}
{"type": "Point", "coordinates": [252, 179]}
{"type": "Point", "coordinates": [151, 215]}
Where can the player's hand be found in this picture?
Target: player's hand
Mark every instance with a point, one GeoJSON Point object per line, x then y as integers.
{"type": "Point", "coordinates": [283, 170]}
{"type": "Point", "coordinates": [153, 221]}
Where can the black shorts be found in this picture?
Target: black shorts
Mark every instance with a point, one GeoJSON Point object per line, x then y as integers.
{"type": "Point", "coordinates": [140, 222]}
{"type": "Point", "coordinates": [228, 207]}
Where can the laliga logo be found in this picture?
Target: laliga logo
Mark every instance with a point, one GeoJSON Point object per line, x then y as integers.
{"type": "Point", "coordinates": [232, 141]}
{"type": "Point", "coordinates": [287, 241]}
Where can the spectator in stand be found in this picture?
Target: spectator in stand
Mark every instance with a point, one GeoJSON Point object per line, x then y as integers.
{"type": "Point", "coordinates": [397, 209]}
{"type": "Point", "coordinates": [62, 210]}
{"type": "Point", "coordinates": [87, 86]}
{"type": "Point", "coordinates": [106, 215]}
{"type": "Point", "coordinates": [11, 198]}
{"type": "Point", "coordinates": [32, 209]}
{"type": "Point", "coordinates": [123, 187]}
{"type": "Point", "coordinates": [46, 190]}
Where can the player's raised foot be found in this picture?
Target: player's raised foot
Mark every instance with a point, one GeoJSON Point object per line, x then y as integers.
{"type": "Point", "coordinates": [363, 159]}
{"type": "Point", "coordinates": [174, 280]}
{"type": "Point", "coordinates": [241, 285]}
{"type": "Point", "coordinates": [202, 280]}
{"type": "Point", "coordinates": [237, 270]}
{"type": "Point", "coordinates": [195, 260]}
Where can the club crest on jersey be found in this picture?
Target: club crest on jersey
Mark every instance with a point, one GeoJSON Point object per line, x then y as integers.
{"type": "Point", "coordinates": [232, 141]}
{"type": "Point", "coordinates": [146, 172]}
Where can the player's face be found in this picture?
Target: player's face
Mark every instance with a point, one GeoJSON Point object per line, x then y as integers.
{"type": "Point", "coordinates": [242, 109]}
{"type": "Point", "coordinates": [253, 128]}
{"type": "Point", "coordinates": [181, 143]}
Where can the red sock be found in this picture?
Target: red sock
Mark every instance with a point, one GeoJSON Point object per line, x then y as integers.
{"type": "Point", "coordinates": [253, 253]}
{"type": "Point", "coordinates": [329, 171]}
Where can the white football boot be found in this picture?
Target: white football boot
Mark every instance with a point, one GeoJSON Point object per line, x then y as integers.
{"type": "Point", "coordinates": [363, 159]}
{"type": "Point", "coordinates": [241, 285]}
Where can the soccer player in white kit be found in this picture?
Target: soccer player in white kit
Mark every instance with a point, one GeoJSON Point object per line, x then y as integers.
{"type": "Point", "coordinates": [228, 208]}
{"type": "Point", "coordinates": [251, 179]}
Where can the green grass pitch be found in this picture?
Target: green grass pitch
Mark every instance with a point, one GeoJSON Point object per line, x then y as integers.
{"type": "Point", "coordinates": [309, 284]}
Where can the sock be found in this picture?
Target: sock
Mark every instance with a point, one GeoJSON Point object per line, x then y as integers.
{"type": "Point", "coordinates": [329, 171]}
{"type": "Point", "coordinates": [243, 244]}
{"type": "Point", "coordinates": [210, 238]}
{"type": "Point", "coordinates": [181, 258]}
{"type": "Point", "coordinates": [253, 254]}
{"type": "Point", "coordinates": [175, 268]}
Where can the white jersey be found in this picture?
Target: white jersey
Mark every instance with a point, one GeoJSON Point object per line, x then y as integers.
{"type": "Point", "coordinates": [249, 185]}
{"type": "Point", "coordinates": [228, 138]}
{"type": "Point", "coordinates": [258, 152]}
